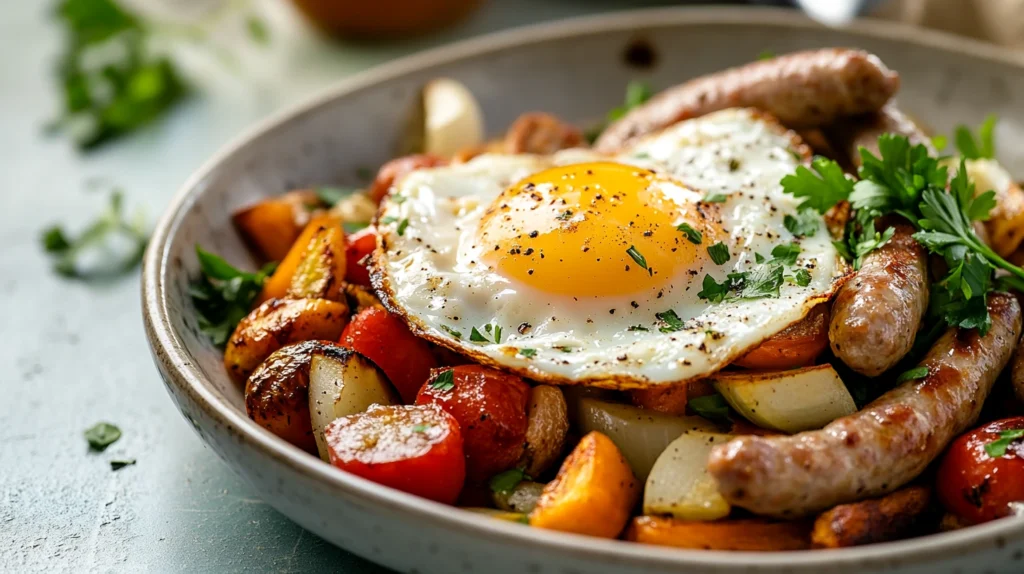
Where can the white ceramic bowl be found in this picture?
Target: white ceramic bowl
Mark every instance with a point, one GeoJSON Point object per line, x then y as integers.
{"type": "Point", "coordinates": [576, 69]}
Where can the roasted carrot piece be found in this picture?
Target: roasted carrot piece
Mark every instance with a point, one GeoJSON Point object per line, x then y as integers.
{"type": "Point", "coordinates": [669, 399]}
{"type": "Point", "coordinates": [892, 517]}
{"type": "Point", "coordinates": [272, 225]}
{"type": "Point", "coordinates": [321, 272]}
{"type": "Point", "coordinates": [280, 282]}
{"type": "Point", "coordinates": [796, 346]}
{"type": "Point", "coordinates": [594, 492]}
{"type": "Point", "coordinates": [750, 534]}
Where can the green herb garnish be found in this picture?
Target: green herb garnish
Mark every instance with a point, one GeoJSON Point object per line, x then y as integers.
{"type": "Point", "coordinates": [402, 225]}
{"type": "Point", "coordinates": [632, 252]}
{"type": "Point", "coordinates": [982, 147]}
{"type": "Point", "coordinates": [223, 294]}
{"type": "Point", "coordinates": [671, 320]}
{"type": "Point", "coordinates": [637, 328]}
{"type": "Point", "coordinates": [444, 381]}
{"type": "Point", "coordinates": [332, 195]}
{"type": "Point", "coordinates": [822, 188]}
{"type": "Point", "coordinates": [636, 94]}
{"type": "Point", "coordinates": [506, 482]}
{"type": "Point", "coordinates": [692, 234]}
{"type": "Point", "coordinates": [803, 224]}
{"type": "Point", "coordinates": [719, 253]}
{"type": "Point", "coordinates": [715, 198]}
{"type": "Point", "coordinates": [116, 465]}
{"type": "Point", "coordinates": [712, 407]}
{"type": "Point", "coordinates": [998, 447]}
{"type": "Point", "coordinates": [527, 352]}
{"type": "Point", "coordinates": [117, 244]}
{"type": "Point", "coordinates": [420, 428]}
{"type": "Point", "coordinates": [102, 435]}
{"type": "Point", "coordinates": [452, 332]}
{"type": "Point", "coordinates": [912, 374]}
{"type": "Point", "coordinates": [801, 277]}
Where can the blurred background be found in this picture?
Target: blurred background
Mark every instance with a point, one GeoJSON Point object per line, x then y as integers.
{"type": "Point", "coordinates": [126, 98]}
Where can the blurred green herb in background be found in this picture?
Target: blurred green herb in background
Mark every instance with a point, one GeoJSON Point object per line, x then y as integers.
{"type": "Point", "coordinates": [109, 247]}
{"type": "Point", "coordinates": [112, 78]}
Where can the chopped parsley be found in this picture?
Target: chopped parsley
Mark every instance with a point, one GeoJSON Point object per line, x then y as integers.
{"type": "Point", "coordinates": [443, 381]}
{"type": "Point", "coordinates": [564, 349]}
{"type": "Point", "coordinates": [491, 329]}
{"type": "Point", "coordinates": [715, 198]}
{"type": "Point", "coordinates": [761, 281]}
{"type": "Point", "coordinates": [912, 374]}
{"type": "Point", "coordinates": [111, 246]}
{"type": "Point", "coordinates": [801, 277]}
{"type": "Point", "coordinates": [332, 195]}
{"type": "Point", "coordinates": [565, 215]}
{"type": "Point", "coordinates": [638, 328]}
{"type": "Point", "coordinates": [636, 94]}
{"type": "Point", "coordinates": [116, 465]}
{"type": "Point", "coordinates": [452, 332]}
{"type": "Point", "coordinates": [632, 252]}
{"type": "Point", "coordinates": [822, 188]}
{"type": "Point", "coordinates": [691, 234]}
{"type": "Point", "coordinates": [998, 447]}
{"type": "Point", "coordinates": [803, 224]}
{"type": "Point", "coordinates": [786, 253]}
{"type": "Point", "coordinates": [388, 220]}
{"type": "Point", "coordinates": [506, 482]}
{"type": "Point", "coordinates": [766, 55]}
{"type": "Point", "coordinates": [223, 295]}
{"type": "Point", "coordinates": [671, 320]}
{"type": "Point", "coordinates": [982, 147]}
{"type": "Point", "coordinates": [402, 225]}
{"type": "Point", "coordinates": [527, 352]}
{"type": "Point", "coordinates": [719, 253]}
{"type": "Point", "coordinates": [712, 407]}
{"type": "Point", "coordinates": [420, 428]}
{"type": "Point", "coordinates": [102, 435]}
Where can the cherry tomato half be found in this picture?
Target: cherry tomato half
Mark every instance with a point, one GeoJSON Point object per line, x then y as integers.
{"type": "Point", "coordinates": [976, 486]}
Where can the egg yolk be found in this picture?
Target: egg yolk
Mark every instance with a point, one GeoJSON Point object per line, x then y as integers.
{"type": "Point", "coordinates": [595, 229]}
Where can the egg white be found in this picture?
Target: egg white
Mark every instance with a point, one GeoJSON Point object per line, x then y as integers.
{"type": "Point", "coordinates": [433, 274]}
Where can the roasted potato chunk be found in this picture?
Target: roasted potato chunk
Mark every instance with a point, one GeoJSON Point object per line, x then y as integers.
{"type": "Point", "coordinates": [892, 517]}
{"type": "Point", "coordinates": [755, 535]}
{"type": "Point", "coordinates": [277, 323]}
{"type": "Point", "coordinates": [277, 393]}
{"type": "Point", "coordinates": [547, 424]}
{"type": "Point", "coordinates": [321, 272]}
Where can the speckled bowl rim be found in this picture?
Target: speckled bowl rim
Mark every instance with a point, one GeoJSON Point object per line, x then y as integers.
{"type": "Point", "coordinates": [170, 350]}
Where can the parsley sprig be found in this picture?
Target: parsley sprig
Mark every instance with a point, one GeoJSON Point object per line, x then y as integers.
{"type": "Point", "coordinates": [906, 180]}
{"type": "Point", "coordinates": [637, 93]}
{"type": "Point", "coordinates": [998, 447]}
{"type": "Point", "coordinates": [110, 246]}
{"type": "Point", "coordinates": [223, 294]}
{"type": "Point", "coordinates": [762, 280]}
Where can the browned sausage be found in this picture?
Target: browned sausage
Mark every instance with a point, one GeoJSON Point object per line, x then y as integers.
{"type": "Point", "coordinates": [850, 134]}
{"type": "Point", "coordinates": [1017, 374]}
{"type": "Point", "coordinates": [882, 447]}
{"type": "Point", "coordinates": [803, 89]}
{"type": "Point", "coordinates": [892, 517]}
{"type": "Point", "coordinates": [876, 315]}
{"type": "Point", "coordinates": [541, 133]}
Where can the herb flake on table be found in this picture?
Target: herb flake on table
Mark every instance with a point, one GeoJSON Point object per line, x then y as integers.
{"type": "Point", "coordinates": [110, 246]}
{"type": "Point", "coordinates": [223, 294]}
{"type": "Point", "coordinates": [101, 435]}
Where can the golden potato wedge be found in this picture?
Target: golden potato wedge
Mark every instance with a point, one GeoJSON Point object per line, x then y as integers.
{"type": "Point", "coordinates": [321, 272]}
{"type": "Point", "coordinates": [277, 393]}
{"type": "Point", "coordinates": [277, 323]}
{"type": "Point", "coordinates": [360, 298]}
{"type": "Point", "coordinates": [892, 517]}
{"type": "Point", "coordinates": [755, 535]}
{"type": "Point", "coordinates": [278, 284]}
{"type": "Point", "coordinates": [272, 225]}
{"type": "Point", "coordinates": [594, 493]}
{"type": "Point", "coordinates": [547, 425]}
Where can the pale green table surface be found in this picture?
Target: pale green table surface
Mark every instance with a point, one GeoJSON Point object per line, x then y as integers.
{"type": "Point", "coordinates": [74, 354]}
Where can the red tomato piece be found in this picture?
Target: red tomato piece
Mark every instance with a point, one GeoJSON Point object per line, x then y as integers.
{"type": "Point", "coordinates": [491, 409]}
{"type": "Point", "coordinates": [360, 244]}
{"type": "Point", "coordinates": [398, 168]}
{"type": "Point", "coordinates": [975, 486]}
{"type": "Point", "coordinates": [387, 341]}
{"type": "Point", "coordinates": [415, 449]}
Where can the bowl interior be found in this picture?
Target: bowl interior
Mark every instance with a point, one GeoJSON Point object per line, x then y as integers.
{"type": "Point", "coordinates": [576, 71]}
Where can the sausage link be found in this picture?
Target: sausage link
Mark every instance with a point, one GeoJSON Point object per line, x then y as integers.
{"type": "Point", "coordinates": [1017, 372]}
{"type": "Point", "coordinates": [803, 89]}
{"type": "Point", "coordinates": [883, 446]}
{"type": "Point", "coordinates": [876, 314]}
{"type": "Point", "coordinates": [850, 134]}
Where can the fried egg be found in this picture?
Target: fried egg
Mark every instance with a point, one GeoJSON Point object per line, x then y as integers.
{"type": "Point", "coordinates": [592, 269]}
